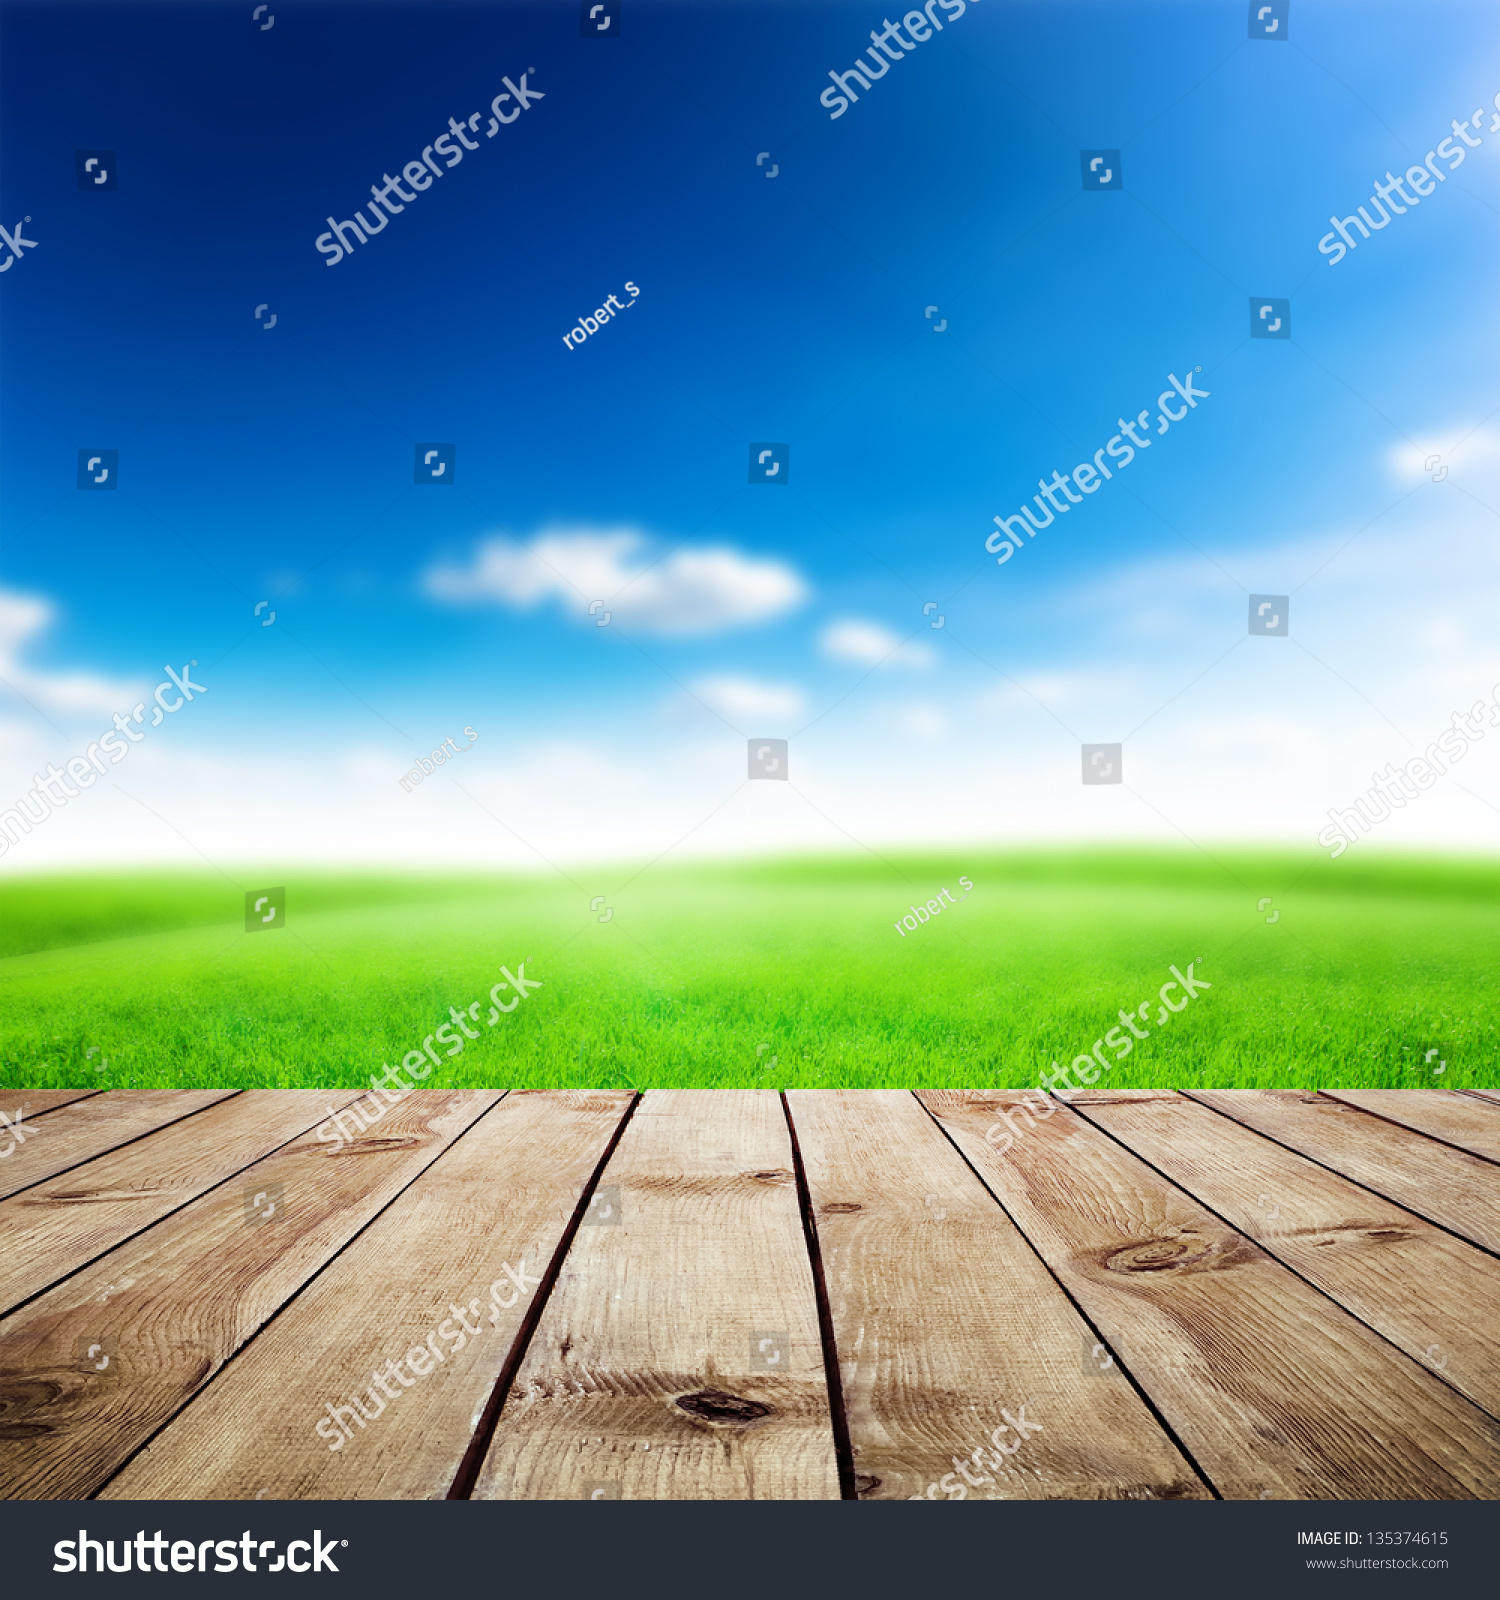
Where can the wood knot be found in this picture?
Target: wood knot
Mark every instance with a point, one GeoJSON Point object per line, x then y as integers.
{"type": "Point", "coordinates": [865, 1484]}
{"type": "Point", "coordinates": [1157, 1255]}
{"type": "Point", "coordinates": [841, 1208]}
{"type": "Point", "coordinates": [21, 1395]}
{"type": "Point", "coordinates": [1378, 1232]}
{"type": "Point", "coordinates": [719, 1406]}
{"type": "Point", "coordinates": [1092, 1097]}
{"type": "Point", "coordinates": [24, 1430]}
{"type": "Point", "coordinates": [373, 1147]}
{"type": "Point", "coordinates": [773, 1175]}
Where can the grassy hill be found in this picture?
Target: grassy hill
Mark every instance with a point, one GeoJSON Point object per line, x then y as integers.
{"type": "Point", "coordinates": [770, 974]}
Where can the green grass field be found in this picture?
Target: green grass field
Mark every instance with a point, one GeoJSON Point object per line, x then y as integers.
{"type": "Point", "coordinates": [776, 974]}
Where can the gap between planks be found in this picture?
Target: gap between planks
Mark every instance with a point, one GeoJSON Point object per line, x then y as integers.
{"type": "Point", "coordinates": [1432, 1295]}
{"type": "Point", "coordinates": [1274, 1389]}
{"type": "Point", "coordinates": [170, 1307]}
{"type": "Point", "coordinates": [274, 1421]}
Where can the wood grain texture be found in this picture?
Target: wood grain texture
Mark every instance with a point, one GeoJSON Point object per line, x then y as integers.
{"type": "Point", "coordinates": [1449, 1187]}
{"type": "Point", "coordinates": [55, 1228]}
{"type": "Point", "coordinates": [646, 1377]}
{"type": "Point", "coordinates": [1491, 1095]}
{"type": "Point", "coordinates": [1431, 1295]}
{"type": "Point", "coordinates": [504, 1193]}
{"type": "Point", "coordinates": [37, 1102]}
{"type": "Point", "coordinates": [77, 1133]}
{"type": "Point", "coordinates": [1273, 1389]}
{"type": "Point", "coordinates": [1454, 1118]}
{"type": "Point", "coordinates": [173, 1304]}
{"type": "Point", "coordinates": [1182, 1300]}
{"type": "Point", "coordinates": [946, 1323]}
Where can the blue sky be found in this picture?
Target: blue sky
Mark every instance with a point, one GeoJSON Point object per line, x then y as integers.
{"type": "Point", "coordinates": [278, 464]}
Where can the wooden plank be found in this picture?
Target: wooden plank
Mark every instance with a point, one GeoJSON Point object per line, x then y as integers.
{"type": "Point", "coordinates": [505, 1193]}
{"type": "Point", "coordinates": [1458, 1191]}
{"type": "Point", "coordinates": [1431, 1295]}
{"type": "Point", "coordinates": [679, 1356]}
{"type": "Point", "coordinates": [56, 1227]}
{"type": "Point", "coordinates": [78, 1133]}
{"type": "Point", "coordinates": [1273, 1390]}
{"type": "Point", "coordinates": [169, 1307]}
{"type": "Point", "coordinates": [1439, 1113]}
{"type": "Point", "coordinates": [1491, 1095]}
{"type": "Point", "coordinates": [946, 1324]}
{"type": "Point", "coordinates": [37, 1102]}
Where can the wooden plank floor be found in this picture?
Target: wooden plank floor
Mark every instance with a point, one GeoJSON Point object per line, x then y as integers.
{"type": "Point", "coordinates": [1450, 1117]}
{"type": "Point", "coordinates": [741, 1295]}
{"type": "Point", "coordinates": [76, 1131]}
{"type": "Point", "coordinates": [1450, 1186]}
{"type": "Point", "coordinates": [33, 1102]}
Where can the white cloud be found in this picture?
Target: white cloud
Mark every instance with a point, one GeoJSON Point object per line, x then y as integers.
{"type": "Point", "coordinates": [698, 590]}
{"type": "Point", "coordinates": [22, 618]}
{"type": "Point", "coordinates": [1464, 450]}
{"type": "Point", "coordinates": [1226, 736]}
{"type": "Point", "coordinates": [1056, 691]}
{"type": "Point", "coordinates": [867, 644]}
{"type": "Point", "coordinates": [743, 700]}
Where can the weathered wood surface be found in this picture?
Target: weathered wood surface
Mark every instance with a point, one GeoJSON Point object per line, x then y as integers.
{"type": "Point", "coordinates": [1433, 1296]}
{"type": "Point", "coordinates": [1456, 1119]}
{"type": "Point", "coordinates": [54, 1228]}
{"type": "Point", "coordinates": [171, 1306]}
{"type": "Point", "coordinates": [36, 1102]}
{"type": "Point", "coordinates": [740, 1295]}
{"type": "Point", "coordinates": [679, 1356]}
{"type": "Point", "coordinates": [505, 1193]}
{"type": "Point", "coordinates": [1448, 1186]}
{"type": "Point", "coordinates": [1273, 1389]}
{"type": "Point", "coordinates": [78, 1132]}
{"type": "Point", "coordinates": [947, 1324]}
